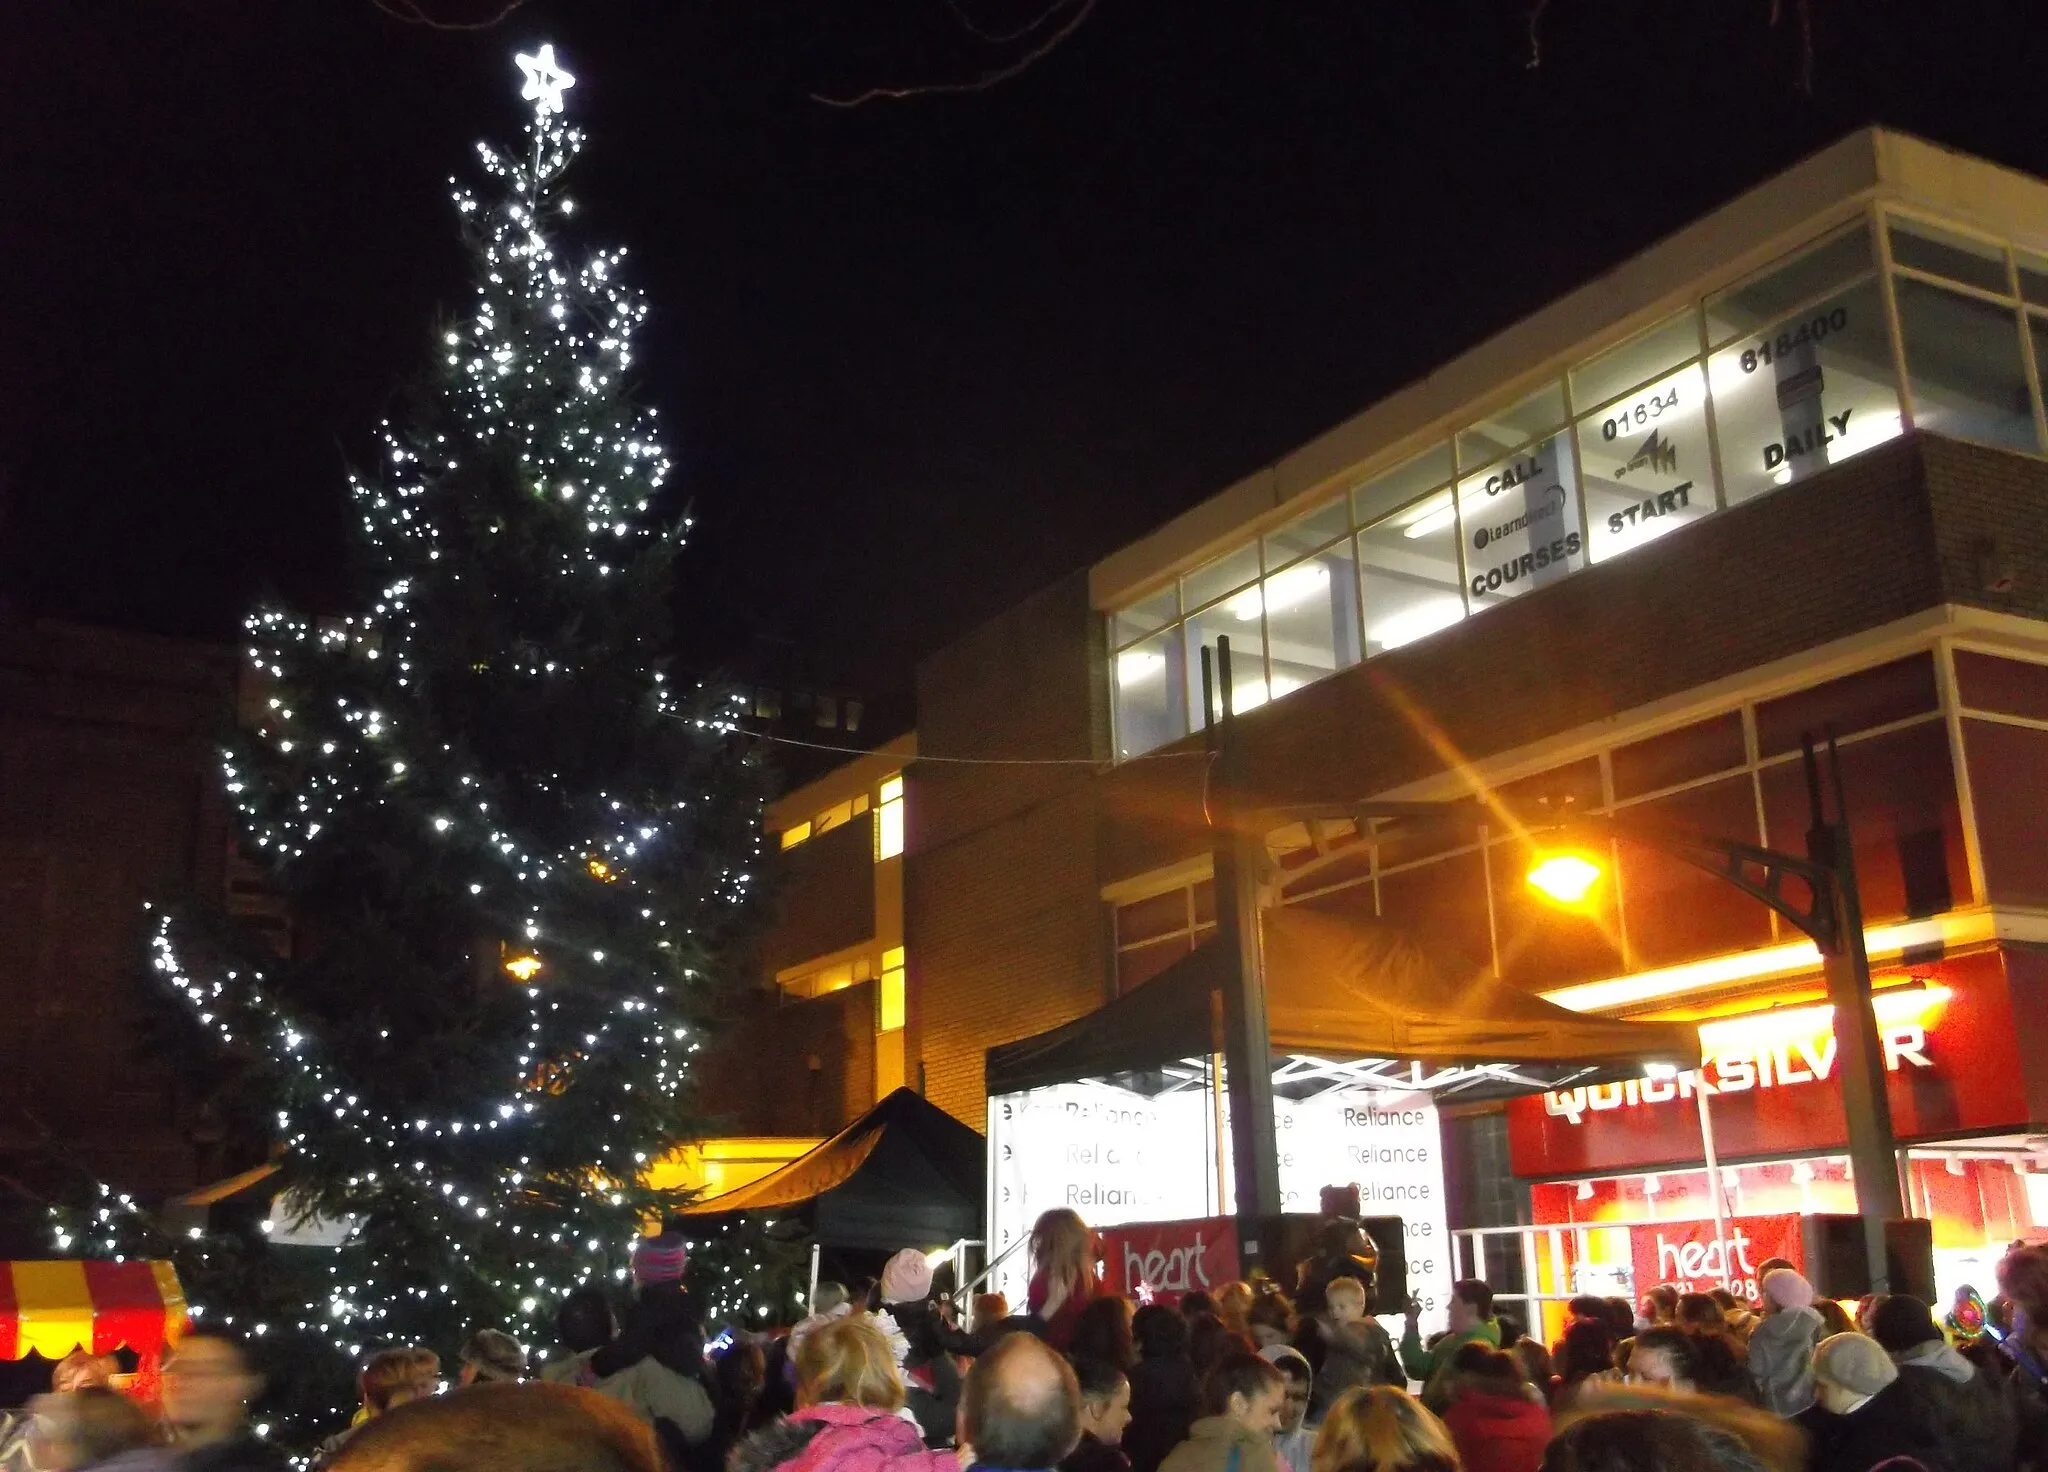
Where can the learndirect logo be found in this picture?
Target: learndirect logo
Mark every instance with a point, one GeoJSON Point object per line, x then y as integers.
{"type": "Point", "coordinates": [1551, 505]}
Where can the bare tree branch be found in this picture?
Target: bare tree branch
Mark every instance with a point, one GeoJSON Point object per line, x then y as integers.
{"type": "Point", "coordinates": [1535, 33]}
{"type": "Point", "coordinates": [413, 14]}
{"type": "Point", "coordinates": [983, 82]}
{"type": "Point", "coordinates": [1003, 38]}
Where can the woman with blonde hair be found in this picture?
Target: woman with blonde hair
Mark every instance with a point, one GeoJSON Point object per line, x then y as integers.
{"type": "Point", "coordinates": [849, 1415]}
{"type": "Point", "coordinates": [1379, 1428]}
{"type": "Point", "coordinates": [1062, 1273]}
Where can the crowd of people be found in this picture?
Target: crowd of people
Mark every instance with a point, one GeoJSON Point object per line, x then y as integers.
{"type": "Point", "coordinates": [1249, 1378]}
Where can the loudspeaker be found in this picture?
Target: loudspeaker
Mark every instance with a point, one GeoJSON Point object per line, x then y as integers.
{"type": "Point", "coordinates": [1286, 1242]}
{"type": "Point", "coordinates": [1838, 1268]}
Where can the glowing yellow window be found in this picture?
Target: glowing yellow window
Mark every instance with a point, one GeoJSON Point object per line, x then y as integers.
{"type": "Point", "coordinates": [889, 819]}
{"type": "Point", "coordinates": [889, 995]}
{"type": "Point", "coordinates": [832, 818]}
{"type": "Point", "coordinates": [795, 835]}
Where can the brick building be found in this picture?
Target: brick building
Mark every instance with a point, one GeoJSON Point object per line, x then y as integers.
{"type": "Point", "coordinates": [1491, 582]}
{"type": "Point", "coordinates": [108, 795]}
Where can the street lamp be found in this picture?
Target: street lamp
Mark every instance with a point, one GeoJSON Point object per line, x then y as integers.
{"type": "Point", "coordinates": [1816, 893]}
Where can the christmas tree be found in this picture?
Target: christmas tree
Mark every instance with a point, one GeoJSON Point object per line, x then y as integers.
{"type": "Point", "coordinates": [513, 849]}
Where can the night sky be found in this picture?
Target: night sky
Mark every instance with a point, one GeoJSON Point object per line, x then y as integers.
{"type": "Point", "coordinates": [917, 358]}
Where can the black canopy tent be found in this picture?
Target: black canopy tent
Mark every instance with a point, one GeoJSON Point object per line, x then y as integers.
{"type": "Point", "coordinates": [906, 1173]}
{"type": "Point", "coordinates": [1353, 992]}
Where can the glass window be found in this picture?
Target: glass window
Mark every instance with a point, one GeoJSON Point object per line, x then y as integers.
{"type": "Point", "coordinates": [1147, 614]}
{"type": "Point", "coordinates": [2033, 277]}
{"type": "Point", "coordinates": [1212, 580]}
{"type": "Point", "coordinates": [1235, 619]}
{"type": "Point", "coordinates": [1409, 573]}
{"type": "Point", "coordinates": [1308, 534]}
{"type": "Point", "coordinates": [1497, 433]}
{"type": "Point", "coordinates": [1151, 709]}
{"type": "Point", "coordinates": [1804, 392]}
{"type": "Point", "coordinates": [796, 833]}
{"type": "Point", "coordinates": [1401, 485]}
{"type": "Point", "coordinates": [1647, 470]}
{"type": "Point", "coordinates": [1963, 362]}
{"type": "Point", "coordinates": [1665, 760]}
{"type": "Point", "coordinates": [889, 994]}
{"type": "Point", "coordinates": [1873, 697]}
{"type": "Point", "coordinates": [1311, 617]}
{"type": "Point", "coordinates": [889, 819]}
{"type": "Point", "coordinates": [1519, 517]}
{"type": "Point", "coordinates": [1638, 360]}
{"type": "Point", "coordinates": [1746, 309]}
{"type": "Point", "coordinates": [1944, 253]}
{"type": "Point", "coordinates": [835, 816]}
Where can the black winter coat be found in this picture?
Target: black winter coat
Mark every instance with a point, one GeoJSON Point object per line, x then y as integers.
{"type": "Point", "coordinates": [1893, 1423]}
{"type": "Point", "coordinates": [1163, 1396]}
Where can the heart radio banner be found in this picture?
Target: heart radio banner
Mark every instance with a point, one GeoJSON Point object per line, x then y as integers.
{"type": "Point", "coordinates": [1686, 1254]}
{"type": "Point", "coordinates": [1156, 1262]}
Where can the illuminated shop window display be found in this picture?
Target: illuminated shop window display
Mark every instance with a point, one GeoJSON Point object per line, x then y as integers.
{"type": "Point", "coordinates": [1753, 388]}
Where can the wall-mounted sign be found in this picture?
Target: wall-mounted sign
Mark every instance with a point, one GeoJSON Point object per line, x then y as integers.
{"type": "Point", "coordinates": [1520, 517]}
{"type": "Point", "coordinates": [1691, 1257]}
{"type": "Point", "coordinates": [1952, 1066]}
{"type": "Point", "coordinates": [1648, 463]}
{"type": "Point", "coordinates": [1157, 1262]}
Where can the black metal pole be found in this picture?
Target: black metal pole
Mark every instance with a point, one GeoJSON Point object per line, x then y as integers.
{"type": "Point", "coordinates": [1236, 856]}
{"type": "Point", "coordinates": [1859, 1052]}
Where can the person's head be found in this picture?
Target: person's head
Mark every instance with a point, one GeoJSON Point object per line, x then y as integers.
{"type": "Point", "coordinates": [1247, 1389]}
{"type": "Point", "coordinates": [492, 1354]}
{"type": "Point", "coordinates": [1480, 1369]}
{"type": "Point", "coordinates": [1294, 1368]}
{"type": "Point", "coordinates": [1731, 1306]}
{"type": "Point", "coordinates": [1666, 1356]}
{"type": "Point", "coordinates": [1621, 1319]}
{"type": "Point", "coordinates": [830, 1296]}
{"type": "Point", "coordinates": [1833, 1319]}
{"type": "Point", "coordinates": [1209, 1342]}
{"type": "Point", "coordinates": [1588, 1306]}
{"type": "Point", "coordinates": [1378, 1428]}
{"type": "Point", "coordinates": [741, 1372]}
{"type": "Point", "coordinates": [1062, 1248]}
{"type": "Point", "coordinates": [660, 1260]}
{"type": "Point", "coordinates": [1848, 1369]}
{"type": "Point", "coordinates": [1234, 1306]}
{"type": "Point", "coordinates": [585, 1321]}
{"type": "Point", "coordinates": [848, 1362]}
{"type": "Point", "coordinates": [1471, 1304]}
{"type": "Point", "coordinates": [1194, 1305]}
{"type": "Point", "coordinates": [78, 1370]}
{"type": "Point", "coordinates": [1020, 1408]}
{"type": "Point", "coordinates": [989, 1308]}
{"type": "Point", "coordinates": [208, 1384]}
{"type": "Point", "coordinates": [1784, 1288]}
{"type": "Point", "coordinates": [397, 1377]}
{"type": "Point", "coordinates": [1867, 1305]}
{"type": "Point", "coordinates": [535, 1427]}
{"type": "Point", "coordinates": [1161, 1333]}
{"type": "Point", "coordinates": [1768, 1266]}
{"type": "Point", "coordinates": [1271, 1318]}
{"type": "Point", "coordinates": [1344, 1300]}
{"type": "Point", "coordinates": [1699, 1313]}
{"type": "Point", "coordinates": [1903, 1322]}
{"type": "Point", "coordinates": [1105, 1399]}
{"type": "Point", "coordinates": [81, 1428]}
{"type": "Point", "coordinates": [907, 1277]}
{"type": "Point", "coordinates": [1587, 1349]}
{"type": "Point", "coordinates": [1646, 1441]}
{"type": "Point", "coordinates": [1102, 1331]}
{"type": "Point", "coordinates": [2023, 1277]}
{"type": "Point", "coordinates": [1534, 1359]}
{"type": "Point", "coordinates": [1660, 1304]}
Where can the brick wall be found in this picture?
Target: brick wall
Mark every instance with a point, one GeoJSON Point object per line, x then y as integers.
{"type": "Point", "coordinates": [108, 748]}
{"type": "Point", "coordinates": [784, 1066]}
{"type": "Point", "coordinates": [1002, 907]}
{"type": "Point", "coordinates": [824, 896]}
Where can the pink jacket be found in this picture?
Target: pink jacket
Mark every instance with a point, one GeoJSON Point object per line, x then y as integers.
{"type": "Point", "coordinates": [858, 1439]}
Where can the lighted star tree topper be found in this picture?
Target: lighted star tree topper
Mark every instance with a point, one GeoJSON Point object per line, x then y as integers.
{"type": "Point", "coordinates": [513, 848]}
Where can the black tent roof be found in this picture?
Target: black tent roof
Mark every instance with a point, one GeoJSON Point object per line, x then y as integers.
{"type": "Point", "coordinates": [1343, 989]}
{"type": "Point", "coordinates": [906, 1173]}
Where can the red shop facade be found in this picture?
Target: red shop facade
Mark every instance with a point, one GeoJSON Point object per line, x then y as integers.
{"type": "Point", "coordinates": [1626, 1161]}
